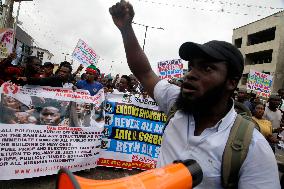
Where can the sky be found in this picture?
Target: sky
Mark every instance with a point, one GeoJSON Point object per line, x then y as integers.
{"type": "Point", "coordinates": [57, 25]}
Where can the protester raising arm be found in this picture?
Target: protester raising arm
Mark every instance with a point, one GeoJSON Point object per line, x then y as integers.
{"type": "Point", "coordinates": [122, 14]}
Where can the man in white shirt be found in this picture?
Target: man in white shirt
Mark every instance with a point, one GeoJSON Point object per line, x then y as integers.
{"type": "Point", "coordinates": [200, 128]}
{"type": "Point", "coordinates": [273, 114]}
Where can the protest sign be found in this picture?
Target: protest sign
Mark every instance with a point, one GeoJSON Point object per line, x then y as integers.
{"type": "Point", "coordinates": [43, 129]}
{"type": "Point", "coordinates": [133, 132]}
{"type": "Point", "coordinates": [170, 69]}
{"type": "Point", "coordinates": [84, 54]}
{"type": "Point", "coordinates": [260, 82]}
{"type": "Point", "coordinates": [6, 42]}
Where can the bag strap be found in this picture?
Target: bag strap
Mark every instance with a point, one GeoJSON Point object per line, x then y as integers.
{"type": "Point", "coordinates": [170, 115]}
{"type": "Point", "coordinates": [235, 151]}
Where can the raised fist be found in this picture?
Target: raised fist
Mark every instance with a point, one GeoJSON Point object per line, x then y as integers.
{"type": "Point", "coordinates": [122, 14]}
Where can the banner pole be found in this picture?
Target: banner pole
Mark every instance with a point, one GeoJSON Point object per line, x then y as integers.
{"type": "Point", "coordinates": [15, 24]}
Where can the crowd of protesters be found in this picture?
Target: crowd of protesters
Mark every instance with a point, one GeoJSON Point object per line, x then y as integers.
{"type": "Point", "coordinates": [203, 100]}
{"type": "Point", "coordinates": [33, 72]}
{"type": "Point", "coordinates": [268, 115]}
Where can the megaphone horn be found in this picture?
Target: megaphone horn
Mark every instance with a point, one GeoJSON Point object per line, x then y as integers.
{"type": "Point", "coordinates": [181, 174]}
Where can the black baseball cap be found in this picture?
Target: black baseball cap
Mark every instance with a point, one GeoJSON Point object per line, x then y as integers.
{"type": "Point", "coordinates": [217, 51]}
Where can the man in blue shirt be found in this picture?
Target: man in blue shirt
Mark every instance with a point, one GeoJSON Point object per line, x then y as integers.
{"type": "Point", "coordinates": [90, 84]}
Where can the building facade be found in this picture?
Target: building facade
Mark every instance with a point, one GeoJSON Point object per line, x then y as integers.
{"type": "Point", "coordinates": [43, 54]}
{"type": "Point", "coordinates": [262, 45]}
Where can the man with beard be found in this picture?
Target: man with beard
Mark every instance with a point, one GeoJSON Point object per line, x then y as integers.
{"type": "Point", "coordinates": [200, 128]}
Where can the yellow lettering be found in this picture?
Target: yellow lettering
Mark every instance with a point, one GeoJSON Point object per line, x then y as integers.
{"type": "Point", "coordinates": [118, 109]}
{"type": "Point", "coordinates": [134, 134]}
{"type": "Point", "coordinates": [149, 114]}
{"type": "Point", "coordinates": [129, 110]}
{"type": "Point", "coordinates": [164, 117]}
{"type": "Point", "coordinates": [158, 116]}
{"type": "Point", "coordinates": [150, 138]}
{"type": "Point", "coordinates": [141, 113]}
{"type": "Point", "coordinates": [160, 140]}
{"type": "Point", "coordinates": [128, 135]}
{"type": "Point", "coordinates": [136, 111]}
{"type": "Point", "coordinates": [146, 136]}
{"type": "Point", "coordinates": [155, 139]}
{"type": "Point", "coordinates": [116, 133]}
{"type": "Point", "coordinates": [121, 134]}
{"type": "Point", "coordinates": [141, 136]}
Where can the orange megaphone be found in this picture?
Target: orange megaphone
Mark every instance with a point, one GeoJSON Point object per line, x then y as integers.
{"type": "Point", "coordinates": [181, 174]}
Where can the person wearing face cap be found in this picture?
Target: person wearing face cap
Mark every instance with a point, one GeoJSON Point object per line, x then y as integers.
{"type": "Point", "coordinates": [200, 128]}
{"type": "Point", "coordinates": [91, 84]}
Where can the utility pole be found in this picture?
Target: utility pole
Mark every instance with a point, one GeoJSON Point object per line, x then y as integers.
{"type": "Point", "coordinates": [7, 14]}
{"type": "Point", "coordinates": [16, 22]}
{"type": "Point", "coordinates": [146, 26]}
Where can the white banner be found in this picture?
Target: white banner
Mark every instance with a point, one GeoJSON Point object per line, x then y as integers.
{"type": "Point", "coordinates": [44, 129]}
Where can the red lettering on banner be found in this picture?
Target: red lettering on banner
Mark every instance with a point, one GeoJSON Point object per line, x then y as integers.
{"type": "Point", "coordinates": [125, 164]}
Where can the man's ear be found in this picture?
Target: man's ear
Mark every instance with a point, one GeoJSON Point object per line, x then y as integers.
{"type": "Point", "coordinates": [232, 83]}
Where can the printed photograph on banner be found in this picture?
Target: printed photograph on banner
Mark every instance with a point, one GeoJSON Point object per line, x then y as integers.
{"type": "Point", "coordinates": [170, 69]}
{"type": "Point", "coordinates": [84, 54]}
{"type": "Point", "coordinates": [43, 129]}
{"type": "Point", "coordinates": [19, 107]}
{"type": "Point", "coordinates": [133, 132]}
{"type": "Point", "coordinates": [41, 111]}
{"type": "Point", "coordinates": [86, 114]}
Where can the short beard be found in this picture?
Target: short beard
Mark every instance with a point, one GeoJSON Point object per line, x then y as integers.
{"type": "Point", "coordinates": [201, 104]}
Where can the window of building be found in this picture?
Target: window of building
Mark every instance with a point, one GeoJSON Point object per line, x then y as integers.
{"type": "Point", "coordinates": [261, 57]}
{"type": "Point", "coordinates": [262, 36]}
{"type": "Point", "coordinates": [244, 79]}
{"type": "Point", "coordinates": [238, 42]}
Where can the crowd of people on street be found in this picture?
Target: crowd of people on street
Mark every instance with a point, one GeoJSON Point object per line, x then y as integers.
{"type": "Point", "coordinates": [206, 102]}
{"type": "Point", "coordinates": [33, 72]}
{"type": "Point", "coordinates": [266, 114]}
